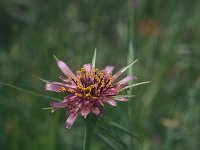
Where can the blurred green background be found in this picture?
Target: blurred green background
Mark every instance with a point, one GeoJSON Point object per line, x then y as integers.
{"type": "Point", "coordinates": [163, 35]}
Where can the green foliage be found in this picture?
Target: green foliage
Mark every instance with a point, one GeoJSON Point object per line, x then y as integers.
{"type": "Point", "coordinates": [163, 35]}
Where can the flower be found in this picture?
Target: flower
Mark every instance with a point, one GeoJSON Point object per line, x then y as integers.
{"type": "Point", "coordinates": [87, 90]}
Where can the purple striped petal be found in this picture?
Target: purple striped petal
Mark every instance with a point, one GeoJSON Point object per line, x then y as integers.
{"type": "Point", "coordinates": [64, 68]}
{"type": "Point", "coordinates": [84, 112]}
{"type": "Point", "coordinates": [96, 110]}
{"type": "Point", "coordinates": [56, 86]}
{"type": "Point", "coordinates": [109, 69]}
{"type": "Point", "coordinates": [111, 102]}
{"type": "Point", "coordinates": [126, 80]}
{"type": "Point", "coordinates": [70, 120]}
{"type": "Point", "coordinates": [122, 99]}
{"type": "Point", "coordinates": [88, 67]}
{"type": "Point", "coordinates": [58, 104]}
{"type": "Point", "coordinates": [53, 86]}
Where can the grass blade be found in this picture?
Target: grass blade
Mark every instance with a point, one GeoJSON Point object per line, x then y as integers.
{"type": "Point", "coordinates": [94, 58]}
{"type": "Point", "coordinates": [136, 84]}
{"type": "Point", "coordinates": [29, 92]}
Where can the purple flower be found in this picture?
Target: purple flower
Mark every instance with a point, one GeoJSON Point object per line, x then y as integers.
{"type": "Point", "coordinates": [88, 90]}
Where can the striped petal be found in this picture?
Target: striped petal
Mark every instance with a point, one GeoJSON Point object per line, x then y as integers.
{"type": "Point", "coordinates": [70, 120]}
{"type": "Point", "coordinates": [111, 102]}
{"type": "Point", "coordinates": [58, 87]}
{"type": "Point", "coordinates": [109, 69]}
{"type": "Point", "coordinates": [126, 80]}
{"type": "Point", "coordinates": [84, 112]}
{"type": "Point", "coordinates": [53, 86]}
{"type": "Point", "coordinates": [88, 67]}
{"type": "Point", "coordinates": [58, 104]}
{"type": "Point", "coordinates": [64, 68]}
{"type": "Point", "coordinates": [96, 110]}
{"type": "Point", "coordinates": [122, 99]}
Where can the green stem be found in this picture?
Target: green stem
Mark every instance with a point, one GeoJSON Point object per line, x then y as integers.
{"type": "Point", "coordinates": [89, 129]}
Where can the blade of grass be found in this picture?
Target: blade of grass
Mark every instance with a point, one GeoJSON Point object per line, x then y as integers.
{"type": "Point", "coordinates": [91, 121]}
{"type": "Point", "coordinates": [136, 84]}
{"type": "Point", "coordinates": [107, 141]}
{"type": "Point", "coordinates": [94, 58]}
{"type": "Point", "coordinates": [124, 129]}
{"type": "Point", "coordinates": [114, 137]}
{"type": "Point", "coordinates": [29, 92]}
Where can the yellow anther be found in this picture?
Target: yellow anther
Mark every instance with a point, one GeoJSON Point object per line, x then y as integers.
{"type": "Point", "coordinates": [79, 95]}
{"type": "Point", "coordinates": [63, 89]}
{"type": "Point", "coordinates": [87, 95]}
{"type": "Point", "coordinates": [71, 90]}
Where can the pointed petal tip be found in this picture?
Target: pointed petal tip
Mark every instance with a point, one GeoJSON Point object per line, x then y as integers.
{"type": "Point", "coordinates": [55, 57]}
{"type": "Point", "coordinates": [40, 78]}
{"type": "Point", "coordinates": [70, 120]}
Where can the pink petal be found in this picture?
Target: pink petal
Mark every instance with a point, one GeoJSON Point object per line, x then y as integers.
{"type": "Point", "coordinates": [58, 104]}
{"type": "Point", "coordinates": [70, 120]}
{"type": "Point", "coordinates": [84, 112]}
{"type": "Point", "coordinates": [88, 67]}
{"type": "Point", "coordinates": [126, 80]}
{"type": "Point", "coordinates": [96, 110]}
{"type": "Point", "coordinates": [53, 86]}
{"type": "Point", "coordinates": [111, 102]}
{"type": "Point", "coordinates": [122, 99]}
{"type": "Point", "coordinates": [109, 69]}
{"type": "Point", "coordinates": [56, 86]}
{"type": "Point", "coordinates": [64, 68]}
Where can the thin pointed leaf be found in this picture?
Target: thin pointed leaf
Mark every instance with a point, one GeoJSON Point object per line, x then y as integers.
{"type": "Point", "coordinates": [94, 58]}
{"type": "Point", "coordinates": [40, 78]}
{"type": "Point", "coordinates": [55, 57]}
{"type": "Point", "coordinates": [29, 92]}
{"type": "Point", "coordinates": [115, 138]}
{"type": "Point", "coordinates": [47, 108]}
{"type": "Point", "coordinates": [125, 68]}
{"type": "Point", "coordinates": [124, 129]}
{"type": "Point", "coordinates": [136, 84]}
{"type": "Point", "coordinates": [115, 76]}
{"type": "Point", "coordinates": [107, 141]}
{"type": "Point", "coordinates": [124, 96]}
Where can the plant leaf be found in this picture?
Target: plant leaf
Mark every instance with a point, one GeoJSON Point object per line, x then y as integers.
{"type": "Point", "coordinates": [124, 129]}
{"type": "Point", "coordinates": [107, 141]}
{"type": "Point", "coordinates": [115, 138]}
{"type": "Point", "coordinates": [40, 78]}
{"type": "Point", "coordinates": [29, 92]}
{"type": "Point", "coordinates": [123, 96]}
{"type": "Point", "coordinates": [94, 58]}
{"type": "Point", "coordinates": [133, 85]}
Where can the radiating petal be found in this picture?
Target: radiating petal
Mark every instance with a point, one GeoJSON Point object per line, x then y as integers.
{"type": "Point", "coordinates": [96, 110]}
{"type": "Point", "coordinates": [64, 68]}
{"type": "Point", "coordinates": [84, 112]}
{"type": "Point", "coordinates": [109, 69]}
{"type": "Point", "coordinates": [88, 67]}
{"type": "Point", "coordinates": [122, 99]}
{"type": "Point", "coordinates": [116, 75]}
{"type": "Point", "coordinates": [57, 87]}
{"type": "Point", "coordinates": [70, 120]}
{"type": "Point", "coordinates": [126, 80]}
{"type": "Point", "coordinates": [111, 102]}
{"type": "Point", "coordinates": [53, 86]}
{"type": "Point", "coordinates": [58, 104]}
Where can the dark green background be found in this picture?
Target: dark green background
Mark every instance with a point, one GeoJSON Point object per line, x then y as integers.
{"type": "Point", "coordinates": [166, 39]}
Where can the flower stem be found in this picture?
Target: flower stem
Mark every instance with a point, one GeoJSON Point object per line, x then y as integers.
{"type": "Point", "coordinates": [89, 128]}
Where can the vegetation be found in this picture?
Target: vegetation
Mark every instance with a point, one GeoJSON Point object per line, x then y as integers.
{"type": "Point", "coordinates": [163, 35]}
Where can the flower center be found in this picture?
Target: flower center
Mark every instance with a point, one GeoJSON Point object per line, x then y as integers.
{"type": "Point", "coordinates": [92, 84]}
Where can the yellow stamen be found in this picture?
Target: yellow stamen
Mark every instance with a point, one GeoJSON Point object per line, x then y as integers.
{"type": "Point", "coordinates": [63, 89]}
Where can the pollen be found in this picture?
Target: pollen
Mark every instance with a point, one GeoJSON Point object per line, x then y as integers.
{"type": "Point", "coordinates": [63, 89]}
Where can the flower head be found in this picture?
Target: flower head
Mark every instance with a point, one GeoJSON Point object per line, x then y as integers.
{"type": "Point", "coordinates": [88, 90]}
